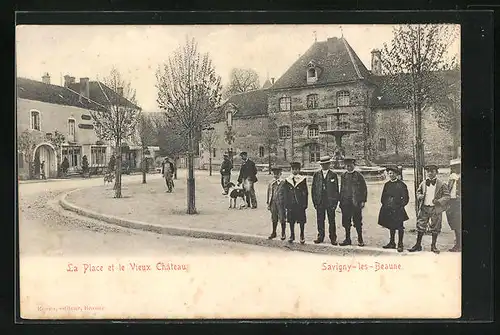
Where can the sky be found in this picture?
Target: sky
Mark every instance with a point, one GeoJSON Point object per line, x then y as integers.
{"type": "Point", "coordinates": [137, 51]}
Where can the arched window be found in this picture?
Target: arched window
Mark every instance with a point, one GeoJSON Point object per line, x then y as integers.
{"type": "Point", "coordinates": [312, 101]}
{"type": "Point", "coordinates": [261, 151]}
{"type": "Point", "coordinates": [343, 98]}
{"type": "Point", "coordinates": [311, 72]}
{"type": "Point", "coordinates": [314, 152]}
{"type": "Point", "coordinates": [285, 132]}
{"type": "Point", "coordinates": [285, 104]}
{"type": "Point", "coordinates": [35, 120]}
{"type": "Point", "coordinates": [71, 127]}
{"type": "Point", "coordinates": [313, 131]}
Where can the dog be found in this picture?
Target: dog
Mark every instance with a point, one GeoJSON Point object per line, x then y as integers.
{"type": "Point", "coordinates": [108, 178]}
{"type": "Point", "coordinates": [236, 193]}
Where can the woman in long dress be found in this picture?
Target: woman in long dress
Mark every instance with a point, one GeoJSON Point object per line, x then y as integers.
{"type": "Point", "coordinates": [392, 213]}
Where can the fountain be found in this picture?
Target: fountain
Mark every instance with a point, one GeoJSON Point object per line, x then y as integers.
{"type": "Point", "coordinates": [341, 129]}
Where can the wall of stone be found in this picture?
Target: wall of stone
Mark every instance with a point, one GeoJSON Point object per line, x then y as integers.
{"type": "Point", "coordinates": [301, 117]}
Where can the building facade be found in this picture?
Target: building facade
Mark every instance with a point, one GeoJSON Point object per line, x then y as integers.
{"type": "Point", "coordinates": [44, 109]}
{"type": "Point", "coordinates": [283, 122]}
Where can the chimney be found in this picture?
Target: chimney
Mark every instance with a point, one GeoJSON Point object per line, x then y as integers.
{"type": "Point", "coordinates": [376, 62]}
{"type": "Point", "coordinates": [332, 44]}
{"type": "Point", "coordinates": [67, 80]}
{"type": "Point", "coordinates": [120, 91]}
{"type": "Point", "coordinates": [46, 78]}
{"type": "Point", "coordinates": [272, 81]}
{"type": "Point", "coordinates": [84, 87]}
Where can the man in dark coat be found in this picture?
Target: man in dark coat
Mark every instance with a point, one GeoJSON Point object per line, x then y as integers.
{"type": "Point", "coordinates": [295, 196]}
{"type": "Point", "coordinates": [325, 196]}
{"type": "Point", "coordinates": [167, 170]}
{"type": "Point", "coordinates": [275, 203]}
{"type": "Point", "coordinates": [433, 196]}
{"type": "Point", "coordinates": [353, 194]}
{"type": "Point", "coordinates": [225, 173]}
{"type": "Point", "coordinates": [248, 176]}
{"type": "Point", "coordinates": [453, 212]}
{"type": "Point", "coordinates": [392, 213]}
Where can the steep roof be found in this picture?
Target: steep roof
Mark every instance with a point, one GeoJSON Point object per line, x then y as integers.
{"type": "Point", "coordinates": [251, 103]}
{"type": "Point", "coordinates": [387, 93]}
{"type": "Point", "coordinates": [336, 60]}
{"type": "Point", "coordinates": [39, 91]}
{"type": "Point", "coordinates": [69, 96]}
{"type": "Point", "coordinates": [96, 89]}
{"type": "Point", "coordinates": [267, 84]}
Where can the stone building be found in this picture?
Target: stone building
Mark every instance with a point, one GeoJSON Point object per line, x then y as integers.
{"type": "Point", "coordinates": [284, 120]}
{"type": "Point", "coordinates": [44, 108]}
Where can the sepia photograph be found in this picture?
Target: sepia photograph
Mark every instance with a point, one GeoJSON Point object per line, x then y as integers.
{"type": "Point", "coordinates": [266, 171]}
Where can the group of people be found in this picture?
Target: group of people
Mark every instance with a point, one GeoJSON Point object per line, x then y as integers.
{"type": "Point", "coordinates": [287, 200]}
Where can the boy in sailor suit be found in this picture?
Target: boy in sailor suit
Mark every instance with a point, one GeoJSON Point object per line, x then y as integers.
{"type": "Point", "coordinates": [296, 196]}
{"type": "Point", "coordinates": [433, 197]}
{"type": "Point", "coordinates": [275, 203]}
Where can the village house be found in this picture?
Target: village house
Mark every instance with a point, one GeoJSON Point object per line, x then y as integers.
{"type": "Point", "coordinates": [44, 108]}
{"type": "Point", "coordinates": [282, 121]}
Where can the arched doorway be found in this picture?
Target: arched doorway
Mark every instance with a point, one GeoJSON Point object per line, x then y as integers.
{"type": "Point", "coordinates": [45, 152]}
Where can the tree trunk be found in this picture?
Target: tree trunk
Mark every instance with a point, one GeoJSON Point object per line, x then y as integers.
{"type": "Point", "coordinates": [143, 167]}
{"type": "Point", "coordinates": [210, 165]}
{"type": "Point", "coordinates": [175, 167]}
{"type": "Point", "coordinates": [118, 171]}
{"type": "Point", "coordinates": [419, 152]}
{"type": "Point", "coordinates": [396, 150]}
{"type": "Point", "coordinates": [191, 208]}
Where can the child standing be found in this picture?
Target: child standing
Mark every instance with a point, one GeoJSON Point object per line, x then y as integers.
{"type": "Point", "coordinates": [296, 199]}
{"type": "Point", "coordinates": [275, 203]}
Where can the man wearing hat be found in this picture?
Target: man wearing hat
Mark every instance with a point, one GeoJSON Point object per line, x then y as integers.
{"type": "Point", "coordinates": [453, 212]}
{"type": "Point", "coordinates": [275, 203]}
{"type": "Point", "coordinates": [295, 195]}
{"type": "Point", "coordinates": [325, 196]}
{"type": "Point", "coordinates": [225, 173]}
{"type": "Point", "coordinates": [392, 213]}
{"type": "Point", "coordinates": [433, 197]}
{"type": "Point", "coordinates": [248, 176]}
{"type": "Point", "coordinates": [353, 194]}
{"type": "Point", "coordinates": [167, 170]}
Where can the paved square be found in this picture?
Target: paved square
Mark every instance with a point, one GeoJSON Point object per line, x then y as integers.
{"type": "Point", "coordinates": [150, 203]}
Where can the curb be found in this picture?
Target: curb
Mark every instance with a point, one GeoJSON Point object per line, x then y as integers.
{"type": "Point", "coordinates": [323, 248]}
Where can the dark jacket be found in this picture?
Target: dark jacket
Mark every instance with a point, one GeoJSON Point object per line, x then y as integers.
{"type": "Point", "coordinates": [225, 167]}
{"type": "Point", "coordinates": [295, 197]}
{"type": "Point", "coordinates": [394, 199]}
{"type": "Point", "coordinates": [442, 196]}
{"type": "Point", "coordinates": [248, 171]}
{"type": "Point", "coordinates": [358, 184]}
{"type": "Point", "coordinates": [275, 192]}
{"type": "Point", "coordinates": [163, 167]}
{"type": "Point", "coordinates": [331, 184]}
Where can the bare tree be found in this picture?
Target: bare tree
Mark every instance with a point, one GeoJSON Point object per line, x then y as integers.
{"type": "Point", "coordinates": [272, 139]}
{"type": "Point", "coordinates": [189, 91]}
{"type": "Point", "coordinates": [448, 115]}
{"type": "Point", "coordinates": [395, 129]}
{"type": "Point", "coordinates": [117, 120]}
{"type": "Point", "coordinates": [240, 81]}
{"type": "Point", "coordinates": [414, 63]}
{"type": "Point", "coordinates": [171, 140]}
{"type": "Point", "coordinates": [26, 144]}
{"type": "Point", "coordinates": [145, 136]}
{"type": "Point", "coordinates": [208, 140]}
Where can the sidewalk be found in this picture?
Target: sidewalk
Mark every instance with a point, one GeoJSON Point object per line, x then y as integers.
{"type": "Point", "coordinates": [151, 204]}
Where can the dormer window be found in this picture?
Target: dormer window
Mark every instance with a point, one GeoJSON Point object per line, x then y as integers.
{"type": "Point", "coordinates": [312, 73]}
{"type": "Point", "coordinates": [313, 131]}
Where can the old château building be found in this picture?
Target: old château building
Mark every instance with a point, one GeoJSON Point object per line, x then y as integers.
{"type": "Point", "coordinates": [284, 119]}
